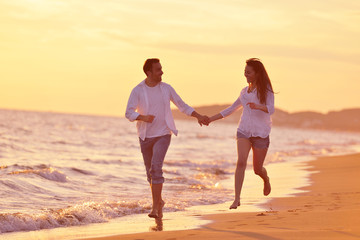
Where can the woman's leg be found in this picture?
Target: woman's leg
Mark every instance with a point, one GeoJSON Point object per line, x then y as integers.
{"type": "Point", "coordinates": [259, 155]}
{"type": "Point", "coordinates": [243, 148]}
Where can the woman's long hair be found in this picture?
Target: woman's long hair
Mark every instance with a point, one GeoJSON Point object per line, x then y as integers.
{"type": "Point", "coordinates": [263, 83]}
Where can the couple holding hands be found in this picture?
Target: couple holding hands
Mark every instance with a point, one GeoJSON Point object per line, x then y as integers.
{"type": "Point", "coordinates": [149, 105]}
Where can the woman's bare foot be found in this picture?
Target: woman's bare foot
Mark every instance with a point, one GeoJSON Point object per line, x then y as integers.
{"type": "Point", "coordinates": [235, 204]}
{"type": "Point", "coordinates": [267, 187]}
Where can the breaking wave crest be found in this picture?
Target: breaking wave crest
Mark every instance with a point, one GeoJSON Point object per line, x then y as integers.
{"type": "Point", "coordinates": [81, 214]}
{"type": "Point", "coordinates": [47, 173]}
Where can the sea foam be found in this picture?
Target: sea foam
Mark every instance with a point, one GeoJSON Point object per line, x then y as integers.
{"type": "Point", "coordinates": [80, 214]}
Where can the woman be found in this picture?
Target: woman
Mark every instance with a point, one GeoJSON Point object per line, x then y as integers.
{"type": "Point", "coordinates": [257, 101]}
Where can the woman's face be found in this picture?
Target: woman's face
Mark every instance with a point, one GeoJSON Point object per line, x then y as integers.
{"type": "Point", "coordinates": [250, 74]}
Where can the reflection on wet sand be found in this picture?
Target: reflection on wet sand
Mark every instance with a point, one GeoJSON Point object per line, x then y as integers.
{"type": "Point", "coordinates": [159, 225]}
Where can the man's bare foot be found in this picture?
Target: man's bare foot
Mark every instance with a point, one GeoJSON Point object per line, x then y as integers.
{"type": "Point", "coordinates": [235, 204]}
{"type": "Point", "coordinates": [157, 212]}
{"type": "Point", "coordinates": [153, 213]}
{"type": "Point", "coordinates": [160, 210]}
{"type": "Point", "coordinates": [267, 187]}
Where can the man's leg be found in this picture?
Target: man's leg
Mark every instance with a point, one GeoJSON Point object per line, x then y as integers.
{"type": "Point", "coordinates": [147, 153]}
{"type": "Point", "coordinates": [159, 151]}
{"type": "Point", "coordinates": [156, 190]}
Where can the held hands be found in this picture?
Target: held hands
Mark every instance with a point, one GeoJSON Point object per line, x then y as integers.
{"type": "Point", "coordinates": [203, 119]}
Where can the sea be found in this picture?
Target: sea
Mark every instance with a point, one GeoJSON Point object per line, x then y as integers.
{"type": "Point", "coordinates": [59, 172]}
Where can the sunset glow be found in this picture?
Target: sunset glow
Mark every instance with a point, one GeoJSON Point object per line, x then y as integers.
{"type": "Point", "coordinates": [86, 56]}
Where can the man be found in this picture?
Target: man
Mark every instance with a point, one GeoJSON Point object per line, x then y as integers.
{"type": "Point", "coordinates": [149, 104]}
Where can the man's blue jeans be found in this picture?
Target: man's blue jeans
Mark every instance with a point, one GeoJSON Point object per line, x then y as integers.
{"type": "Point", "coordinates": [154, 151]}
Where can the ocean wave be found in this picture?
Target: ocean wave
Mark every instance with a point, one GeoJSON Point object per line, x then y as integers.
{"type": "Point", "coordinates": [16, 147]}
{"type": "Point", "coordinates": [61, 142]}
{"type": "Point", "coordinates": [96, 212]}
{"type": "Point", "coordinates": [283, 156]}
{"type": "Point", "coordinates": [198, 178]}
{"type": "Point", "coordinates": [214, 164]}
{"type": "Point", "coordinates": [103, 161]}
{"type": "Point", "coordinates": [208, 136]}
{"type": "Point", "coordinates": [82, 171]}
{"type": "Point", "coordinates": [9, 184]}
{"type": "Point", "coordinates": [276, 157]}
{"type": "Point", "coordinates": [47, 173]}
{"type": "Point", "coordinates": [325, 143]}
{"type": "Point", "coordinates": [23, 130]}
{"type": "Point", "coordinates": [307, 142]}
{"type": "Point", "coordinates": [81, 214]}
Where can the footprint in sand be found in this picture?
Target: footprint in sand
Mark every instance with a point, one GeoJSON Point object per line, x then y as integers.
{"type": "Point", "coordinates": [243, 224]}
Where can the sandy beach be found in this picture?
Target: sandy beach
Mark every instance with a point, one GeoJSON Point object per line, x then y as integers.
{"type": "Point", "coordinates": [328, 209]}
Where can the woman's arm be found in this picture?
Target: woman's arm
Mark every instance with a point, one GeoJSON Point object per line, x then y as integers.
{"type": "Point", "coordinates": [268, 108]}
{"type": "Point", "coordinates": [270, 102]}
{"type": "Point", "coordinates": [226, 112]}
{"type": "Point", "coordinates": [258, 107]}
{"type": "Point", "coordinates": [215, 117]}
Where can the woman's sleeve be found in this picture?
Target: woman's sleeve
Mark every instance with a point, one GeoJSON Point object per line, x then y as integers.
{"type": "Point", "coordinates": [270, 102]}
{"type": "Point", "coordinates": [235, 106]}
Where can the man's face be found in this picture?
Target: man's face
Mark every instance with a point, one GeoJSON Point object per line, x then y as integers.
{"type": "Point", "coordinates": [156, 72]}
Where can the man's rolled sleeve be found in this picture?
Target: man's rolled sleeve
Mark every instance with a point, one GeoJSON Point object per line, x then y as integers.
{"type": "Point", "coordinates": [132, 105]}
{"type": "Point", "coordinates": [133, 116]}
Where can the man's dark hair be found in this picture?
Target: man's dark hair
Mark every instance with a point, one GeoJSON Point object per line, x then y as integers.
{"type": "Point", "coordinates": [148, 64]}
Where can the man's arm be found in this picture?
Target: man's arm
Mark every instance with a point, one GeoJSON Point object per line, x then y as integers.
{"type": "Point", "coordinates": [179, 103]}
{"type": "Point", "coordinates": [183, 107]}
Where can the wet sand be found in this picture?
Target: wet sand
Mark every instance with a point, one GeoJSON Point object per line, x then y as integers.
{"type": "Point", "coordinates": [328, 209]}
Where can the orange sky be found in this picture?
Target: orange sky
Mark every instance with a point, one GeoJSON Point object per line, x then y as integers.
{"type": "Point", "coordinates": [86, 56]}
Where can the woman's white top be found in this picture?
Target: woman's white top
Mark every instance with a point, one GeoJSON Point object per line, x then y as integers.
{"type": "Point", "coordinates": [253, 122]}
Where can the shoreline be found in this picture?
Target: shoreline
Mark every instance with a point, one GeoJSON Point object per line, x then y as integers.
{"type": "Point", "coordinates": [329, 208]}
{"type": "Point", "coordinates": [191, 217]}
